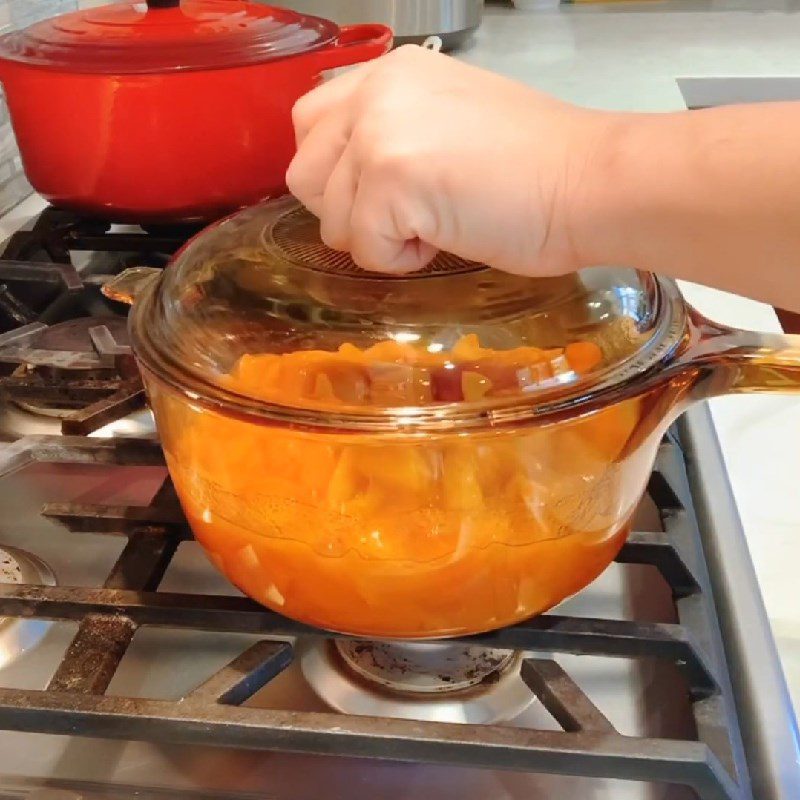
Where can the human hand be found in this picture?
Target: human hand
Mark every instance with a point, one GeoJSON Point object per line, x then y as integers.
{"type": "Point", "coordinates": [416, 152]}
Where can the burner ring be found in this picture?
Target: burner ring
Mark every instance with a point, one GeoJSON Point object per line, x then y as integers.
{"type": "Point", "coordinates": [500, 697]}
{"type": "Point", "coordinates": [426, 667]}
{"type": "Point", "coordinates": [17, 634]}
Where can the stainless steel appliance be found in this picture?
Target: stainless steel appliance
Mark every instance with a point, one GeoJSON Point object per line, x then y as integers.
{"type": "Point", "coordinates": [412, 21]}
{"type": "Point", "coordinates": [130, 669]}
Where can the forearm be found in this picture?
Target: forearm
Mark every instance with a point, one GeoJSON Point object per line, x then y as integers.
{"type": "Point", "coordinates": [707, 196]}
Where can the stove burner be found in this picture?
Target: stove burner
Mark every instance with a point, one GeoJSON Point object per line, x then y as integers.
{"type": "Point", "coordinates": [77, 335]}
{"type": "Point", "coordinates": [18, 634]}
{"type": "Point", "coordinates": [80, 371]}
{"type": "Point", "coordinates": [427, 667]}
{"type": "Point", "coordinates": [79, 344]}
{"type": "Point", "coordinates": [432, 681]}
{"type": "Point", "coordinates": [710, 759]}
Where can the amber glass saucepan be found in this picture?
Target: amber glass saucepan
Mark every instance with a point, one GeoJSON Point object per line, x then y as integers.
{"type": "Point", "coordinates": [440, 454]}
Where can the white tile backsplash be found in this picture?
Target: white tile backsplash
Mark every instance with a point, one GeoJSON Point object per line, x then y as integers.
{"type": "Point", "coordinates": [16, 14]}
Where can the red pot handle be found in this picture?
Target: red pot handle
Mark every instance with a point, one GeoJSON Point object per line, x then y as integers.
{"type": "Point", "coordinates": [356, 43]}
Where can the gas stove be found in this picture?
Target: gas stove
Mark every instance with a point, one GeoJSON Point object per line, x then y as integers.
{"type": "Point", "coordinates": [65, 359]}
{"type": "Point", "coordinates": [130, 668]}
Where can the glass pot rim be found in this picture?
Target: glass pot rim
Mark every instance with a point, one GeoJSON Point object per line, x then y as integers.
{"type": "Point", "coordinates": [627, 378]}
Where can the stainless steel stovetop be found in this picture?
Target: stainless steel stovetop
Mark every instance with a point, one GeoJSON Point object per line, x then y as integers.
{"type": "Point", "coordinates": [130, 668]}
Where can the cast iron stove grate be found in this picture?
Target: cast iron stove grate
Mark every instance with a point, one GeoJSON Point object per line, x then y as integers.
{"type": "Point", "coordinates": [53, 371]}
{"type": "Point", "coordinates": [58, 238]}
{"type": "Point", "coordinates": [75, 702]}
{"type": "Point", "coordinates": [55, 234]}
{"type": "Point", "coordinates": [41, 286]}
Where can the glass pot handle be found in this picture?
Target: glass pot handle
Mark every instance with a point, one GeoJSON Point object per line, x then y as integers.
{"type": "Point", "coordinates": [129, 284]}
{"type": "Point", "coordinates": [732, 361]}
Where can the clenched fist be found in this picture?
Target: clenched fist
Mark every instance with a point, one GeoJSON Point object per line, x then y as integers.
{"type": "Point", "coordinates": [416, 152]}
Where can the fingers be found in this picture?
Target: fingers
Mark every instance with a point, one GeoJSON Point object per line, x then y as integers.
{"type": "Point", "coordinates": [381, 253]}
{"type": "Point", "coordinates": [410, 256]}
{"type": "Point", "coordinates": [316, 159]}
{"type": "Point", "coordinates": [322, 122]}
{"type": "Point", "coordinates": [356, 219]}
{"type": "Point", "coordinates": [326, 176]}
{"type": "Point", "coordinates": [359, 212]}
{"type": "Point", "coordinates": [376, 241]}
{"type": "Point", "coordinates": [337, 202]}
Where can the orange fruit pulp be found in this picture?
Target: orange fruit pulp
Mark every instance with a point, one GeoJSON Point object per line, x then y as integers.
{"type": "Point", "coordinates": [405, 536]}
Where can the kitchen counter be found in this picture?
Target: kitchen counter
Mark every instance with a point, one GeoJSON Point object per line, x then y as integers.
{"type": "Point", "coordinates": [627, 56]}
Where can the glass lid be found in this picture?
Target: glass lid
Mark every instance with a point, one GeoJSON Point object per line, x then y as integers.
{"type": "Point", "coordinates": [256, 312]}
{"type": "Point", "coordinates": [165, 35]}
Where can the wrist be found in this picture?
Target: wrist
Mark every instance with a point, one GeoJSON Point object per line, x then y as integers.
{"type": "Point", "coordinates": [599, 215]}
{"type": "Point", "coordinates": [632, 187]}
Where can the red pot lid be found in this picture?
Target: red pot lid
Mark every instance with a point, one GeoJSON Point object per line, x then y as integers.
{"type": "Point", "coordinates": [166, 35]}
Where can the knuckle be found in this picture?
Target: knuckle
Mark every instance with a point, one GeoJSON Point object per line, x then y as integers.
{"type": "Point", "coordinates": [293, 178]}
{"type": "Point", "coordinates": [363, 244]}
{"type": "Point", "coordinates": [300, 111]}
{"type": "Point", "coordinates": [300, 184]}
{"type": "Point", "coordinates": [380, 153]}
{"type": "Point", "coordinates": [394, 164]}
{"type": "Point", "coordinates": [387, 152]}
{"type": "Point", "coordinates": [333, 238]}
{"type": "Point", "coordinates": [363, 225]}
{"type": "Point", "coordinates": [407, 52]}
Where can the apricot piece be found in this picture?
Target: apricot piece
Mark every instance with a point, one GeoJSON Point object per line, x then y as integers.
{"type": "Point", "coordinates": [583, 356]}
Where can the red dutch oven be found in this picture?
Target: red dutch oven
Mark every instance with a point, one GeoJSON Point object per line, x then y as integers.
{"type": "Point", "coordinates": [168, 110]}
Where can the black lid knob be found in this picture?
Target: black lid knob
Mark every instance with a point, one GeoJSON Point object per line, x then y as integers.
{"type": "Point", "coordinates": [163, 3]}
